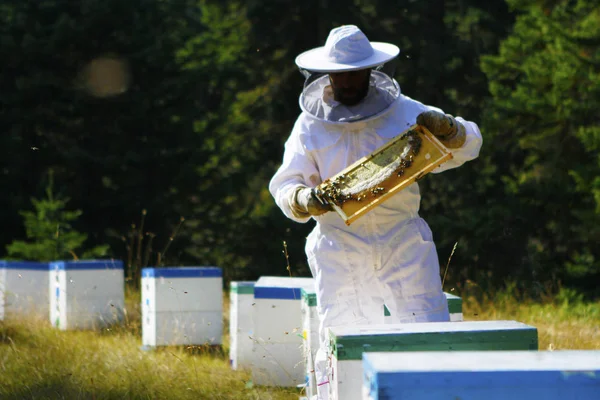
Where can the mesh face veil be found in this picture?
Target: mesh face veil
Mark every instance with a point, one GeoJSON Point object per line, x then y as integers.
{"type": "Point", "coordinates": [317, 98]}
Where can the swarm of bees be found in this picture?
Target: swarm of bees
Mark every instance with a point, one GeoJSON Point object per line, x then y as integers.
{"type": "Point", "coordinates": [331, 191]}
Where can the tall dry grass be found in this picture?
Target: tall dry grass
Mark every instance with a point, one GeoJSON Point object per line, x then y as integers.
{"type": "Point", "coordinates": [40, 362]}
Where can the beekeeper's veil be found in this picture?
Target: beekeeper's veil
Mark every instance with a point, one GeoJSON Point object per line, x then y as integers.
{"type": "Point", "coordinates": [348, 49]}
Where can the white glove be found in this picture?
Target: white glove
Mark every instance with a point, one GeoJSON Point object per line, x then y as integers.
{"type": "Point", "coordinates": [447, 129]}
{"type": "Point", "coordinates": [304, 203]}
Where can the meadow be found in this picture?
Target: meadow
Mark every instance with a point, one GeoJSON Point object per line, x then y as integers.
{"type": "Point", "coordinates": [40, 362]}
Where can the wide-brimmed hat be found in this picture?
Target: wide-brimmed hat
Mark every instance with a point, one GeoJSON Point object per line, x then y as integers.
{"type": "Point", "coordinates": [347, 49]}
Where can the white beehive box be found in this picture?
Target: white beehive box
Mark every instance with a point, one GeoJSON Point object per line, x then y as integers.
{"type": "Point", "coordinates": [241, 298]}
{"type": "Point", "coordinates": [277, 319]}
{"type": "Point", "coordinates": [347, 345]}
{"type": "Point", "coordinates": [310, 336]}
{"type": "Point", "coordinates": [86, 294]}
{"type": "Point", "coordinates": [489, 375]}
{"type": "Point", "coordinates": [454, 307]}
{"type": "Point", "coordinates": [23, 289]}
{"type": "Point", "coordinates": [182, 306]}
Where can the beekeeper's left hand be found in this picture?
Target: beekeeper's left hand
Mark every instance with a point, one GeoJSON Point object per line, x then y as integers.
{"type": "Point", "coordinates": [445, 127]}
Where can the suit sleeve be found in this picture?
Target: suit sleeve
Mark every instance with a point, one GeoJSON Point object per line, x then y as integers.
{"type": "Point", "coordinates": [469, 150]}
{"type": "Point", "coordinates": [298, 169]}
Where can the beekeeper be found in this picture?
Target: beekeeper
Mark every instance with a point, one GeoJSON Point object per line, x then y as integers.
{"type": "Point", "coordinates": [350, 107]}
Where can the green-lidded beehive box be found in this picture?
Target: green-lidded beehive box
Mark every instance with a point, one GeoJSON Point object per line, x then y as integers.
{"type": "Point", "coordinates": [348, 343]}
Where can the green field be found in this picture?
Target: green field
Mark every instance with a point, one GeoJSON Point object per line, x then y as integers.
{"type": "Point", "coordinates": [39, 362]}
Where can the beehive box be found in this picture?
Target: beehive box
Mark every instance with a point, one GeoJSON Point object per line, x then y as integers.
{"type": "Point", "coordinates": [241, 298]}
{"type": "Point", "coordinates": [86, 294]}
{"type": "Point", "coordinates": [347, 344]}
{"type": "Point", "coordinates": [24, 289]}
{"type": "Point", "coordinates": [373, 179]}
{"type": "Point", "coordinates": [277, 319]}
{"type": "Point", "coordinates": [310, 331]}
{"type": "Point", "coordinates": [310, 336]}
{"type": "Point", "coordinates": [182, 306]}
{"type": "Point", "coordinates": [454, 307]}
{"type": "Point", "coordinates": [489, 375]}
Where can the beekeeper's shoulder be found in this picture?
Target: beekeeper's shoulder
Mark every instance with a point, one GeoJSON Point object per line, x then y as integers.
{"type": "Point", "coordinates": [411, 108]}
{"type": "Point", "coordinates": [315, 134]}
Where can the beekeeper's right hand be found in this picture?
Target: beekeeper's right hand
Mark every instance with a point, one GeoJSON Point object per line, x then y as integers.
{"type": "Point", "coordinates": [304, 203]}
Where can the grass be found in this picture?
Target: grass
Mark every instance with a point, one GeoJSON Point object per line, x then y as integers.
{"type": "Point", "coordinates": [39, 362]}
{"type": "Point", "coordinates": [563, 322]}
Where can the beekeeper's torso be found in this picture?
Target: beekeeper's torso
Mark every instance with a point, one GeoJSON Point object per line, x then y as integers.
{"type": "Point", "coordinates": [329, 136]}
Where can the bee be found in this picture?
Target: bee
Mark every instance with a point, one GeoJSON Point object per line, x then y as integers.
{"type": "Point", "coordinates": [377, 190]}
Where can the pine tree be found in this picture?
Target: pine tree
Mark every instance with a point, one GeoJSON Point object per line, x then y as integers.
{"type": "Point", "coordinates": [544, 128]}
{"type": "Point", "coordinates": [51, 234]}
{"type": "Point", "coordinates": [114, 155]}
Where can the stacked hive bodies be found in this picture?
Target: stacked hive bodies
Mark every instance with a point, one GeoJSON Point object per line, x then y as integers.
{"type": "Point", "coordinates": [182, 306]}
{"type": "Point", "coordinates": [347, 344]}
{"type": "Point", "coordinates": [23, 289]}
{"type": "Point", "coordinates": [241, 298]}
{"type": "Point", "coordinates": [277, 319]}
{"type": "Point", "coordinates": [489, 375]}
{"type": "Point", "coordinates": [86, 294]}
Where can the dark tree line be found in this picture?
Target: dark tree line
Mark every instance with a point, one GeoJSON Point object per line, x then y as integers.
{"type": "Point", "coordinates": [209, 92]}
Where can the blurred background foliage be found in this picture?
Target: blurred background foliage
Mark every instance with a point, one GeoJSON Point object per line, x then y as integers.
{"type": "Point", "coordinates": [162, 121]}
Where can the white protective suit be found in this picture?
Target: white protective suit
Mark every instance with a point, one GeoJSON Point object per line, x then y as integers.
{"type": "Point", "coordinates": [387, 256]}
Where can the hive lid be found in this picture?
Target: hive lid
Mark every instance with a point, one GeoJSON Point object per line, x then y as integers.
{"type": "Point", "coordinates": [282, 288]}
{"type": "Point", "coordinates": [29, 265]}
{"type": "Point", "coordinates": [454, 303]}
{"type": "Point", "coordinates": [498, 373]}
{"type": "Point", "coordinates": [182, 272]}
{"type": "Point", "coordinates": [431, 361]}
{"type": "Point", "coordinates": [242, 287]}
{"type": "Point", "coordinates": [349, 342]}
{"type": "Point", "coordinates": [86, 265]}
{"type": "Point", "coordinates": [450, 296]}
{"type": "Point", "coordinates": [309, 296]}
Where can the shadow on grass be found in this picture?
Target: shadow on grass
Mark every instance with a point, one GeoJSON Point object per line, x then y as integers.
{"type": "Point", "coordinates": [59, 389]}
{"type": "Point", "coordinates": [22, 331]}
{"type": "Point", "coordinates": [63, 389]}
{"type": "Point", "coordinates": [8, 334]}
